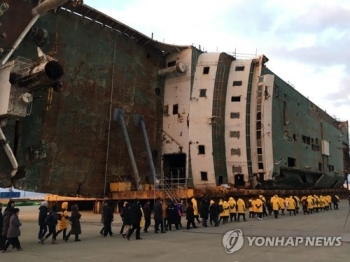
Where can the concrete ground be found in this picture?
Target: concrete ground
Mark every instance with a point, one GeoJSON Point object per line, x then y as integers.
{"type": "Point", "coordinates": [201, 244]}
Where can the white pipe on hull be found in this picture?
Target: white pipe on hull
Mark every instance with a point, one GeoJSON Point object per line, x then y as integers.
{"type": "Point", "coordinates": [9, 153]}
{"type": "Point", "coordinates": [37, 11]}
{"type": "Point", "coordinates": [46, 6]}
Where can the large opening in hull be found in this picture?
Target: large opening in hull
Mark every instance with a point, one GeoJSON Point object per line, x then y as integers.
{"type": "Point", "coordinates": [174, 168]}
{"type": "Point", "coordinates": [239, 180]}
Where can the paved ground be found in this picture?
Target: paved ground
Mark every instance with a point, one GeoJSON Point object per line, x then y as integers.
{"type": "Point", "coordinates": [202, 244]}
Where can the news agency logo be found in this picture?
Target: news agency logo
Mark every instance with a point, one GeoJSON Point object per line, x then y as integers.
{"type": "Point", "coordinates": [233, 241]}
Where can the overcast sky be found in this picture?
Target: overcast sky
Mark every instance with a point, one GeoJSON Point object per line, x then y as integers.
{"type": "Point", "coordinates": [307, 42]}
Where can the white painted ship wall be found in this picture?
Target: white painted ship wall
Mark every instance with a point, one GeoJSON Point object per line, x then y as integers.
{"type": "Point", "coordinates": [237, 124]}
{"type": "Point", "coordinates": [267, 126]}
{"type": "Point", "coordinates": [200, 132]}
{"type": "Point", "coordinates": [177, 91]}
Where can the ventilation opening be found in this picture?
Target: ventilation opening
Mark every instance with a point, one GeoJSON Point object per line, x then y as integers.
{"type": "Point", "coordinates": [239, 68]}
{"type": "Point", "coordinates": [237, 83]}
{"type": "Point", "coordinates": [53, 70]}
{"type": "Point", "coordinates": [206, 70]}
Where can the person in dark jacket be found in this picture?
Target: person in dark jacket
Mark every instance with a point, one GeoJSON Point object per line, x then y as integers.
{"type": "Point", "coordinates": [126, 219]}
{"type": "Point", "coordinates": [172, 216]}
{"type": "Point", "coordinates": [158, 216]}
{"type": "Point", "coordinates": [147, 213]}
{"type": "Point", "coordinates": [136, 215]}
{"type": "Point", "coordinates": [179, 213]}
{"type": "Point", "coordinates": [42, 220]}
{"type": "Point", "coordinates": [51, 221]}
{"type": "Point", "coordinates": [204, 211]}
{"type": "Point", "coordinates": [190, 216]}
{"type": "Point", "coordinates": [13, 232]}
{"type": "Point", "coordinates": [108, 219]}
{"type": "Point", "coordinates": [6, 220]}
{"type": "Point", "coordinates": [75, 224]}
{"type": "Point", "coordinates": [214, 213]}
{"type": "Point", "coordinates": [122, 215]}
{"type": "Point", "coordinates": [102, 220]}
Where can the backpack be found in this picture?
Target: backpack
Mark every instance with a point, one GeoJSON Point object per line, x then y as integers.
{"type": "Point", "coordinates": [59, 216]}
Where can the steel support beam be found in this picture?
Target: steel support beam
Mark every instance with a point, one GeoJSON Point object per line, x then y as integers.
{"type": "Point", "coordinates": [119, 117]}
{"type": "Point", "coordinates": [139, 121]}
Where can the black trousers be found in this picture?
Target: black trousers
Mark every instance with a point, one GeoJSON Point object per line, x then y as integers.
{"type": "Point", "coordinates": [64, 233]}
{"type": "Point", "coordinates": [233, 215]}
{"type": "Point", "coordinates": [241, 214]}
{"type": "Point", "coordinates": [52, 231]}
{"type": "Point", "coordinates": [176, 226]}
{"type": "Point", "coordinates": [107, 228]}
{"type": "Point", "coordinates": [135, 226]}
{"type": "Point", "coordinates": [12, 241]}
{"type": "Point", "coordinates": [157, 224]}
{"type": "Point", "coordinates": [2, 241]}
{"type": "Point", "coordinates": [42, 231]}
{"type": "Point", "coordinates": [147, 223]}
{"type": "Point", "coordinates": [191, 222]}
{"type": "Point", "coordinates": [121, 230]}
{"type": "Point", "coordinates": [275, 212]}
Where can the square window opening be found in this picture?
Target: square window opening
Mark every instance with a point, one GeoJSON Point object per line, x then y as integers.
{"type": "Point", "coordinates": [175, 109]}
{"type": "Point", "coordinates": [202, 92]}
{"type": "Point", "coordinates": [201, 149]}
{"type": "Point", "coordinates": [204, 176]}
{"type": "Point", "coordinates": [206, 70]}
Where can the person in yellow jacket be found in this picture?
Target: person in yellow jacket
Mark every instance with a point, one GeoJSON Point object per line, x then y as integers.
{"type": "Point", "coordinates": [240, 209]}
{"type": "Point", "coordinates": [233, 210]}
{"type": "Point", "coordinates": [259, 208]}
{"type": "Point", "coordinates": [291, 205]}
{"type": "Point", "coordinates": [310, 205]}
{"type": "Point", "coordinates": [251, 208]}
{"type": "Point", "coordinates": [275, 204]}
{"type": "Point", "coordinates": [297, 203]}
{"type": "Point", "coordinates": [226, 210]}
{"type": "Point", "coordinates": [282, 205]}
{"type": "Point", "coordinates": [63, 220]}
{"type": "Point", "coordinates": [195, 209]}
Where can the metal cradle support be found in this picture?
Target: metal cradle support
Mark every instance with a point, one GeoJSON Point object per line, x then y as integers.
{"type": "Point", "coordinates": [139, 121]}
{"type": "Point", "coordinates": [9, 153]}
{"type": "Point", "coordinates": [118, 116]}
